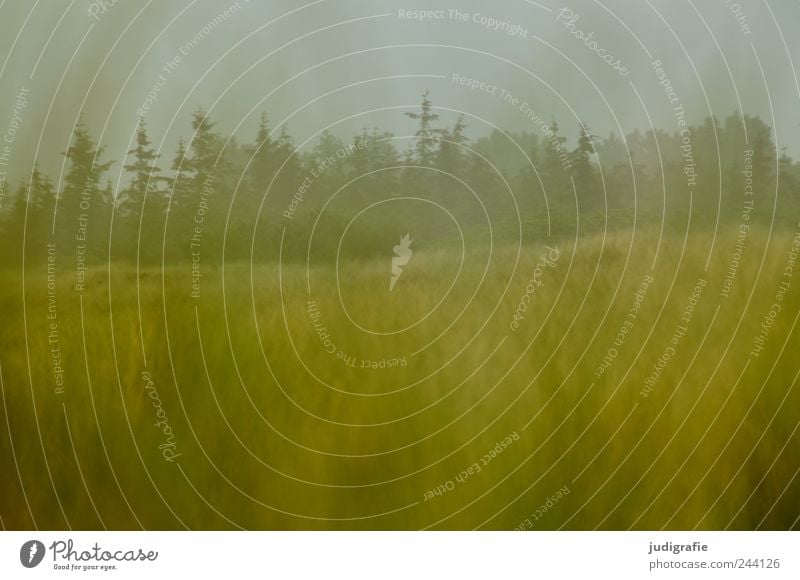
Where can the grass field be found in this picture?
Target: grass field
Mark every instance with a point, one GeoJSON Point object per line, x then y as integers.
{"type": "Point", "coordinates": [227, 409]}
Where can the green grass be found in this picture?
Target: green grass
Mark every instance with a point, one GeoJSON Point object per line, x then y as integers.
{"type": "Point", "coordinates": [276, 433]}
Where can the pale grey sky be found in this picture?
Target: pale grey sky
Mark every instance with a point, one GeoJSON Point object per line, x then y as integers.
{"type": "Point", "coordinates": [338, 62]}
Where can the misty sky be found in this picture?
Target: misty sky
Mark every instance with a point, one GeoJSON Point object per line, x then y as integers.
{"type": "Point", "coordinates": [346, 64]}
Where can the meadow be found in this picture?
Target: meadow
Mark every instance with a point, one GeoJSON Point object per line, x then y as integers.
{"type": "Point", "coordinates": [639, 386]}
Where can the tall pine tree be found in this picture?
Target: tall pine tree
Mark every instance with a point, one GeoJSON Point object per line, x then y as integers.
{"type": "Point", "coordinates": [427, 135]}
{"type": "Point", "coordinates": [590, 195]}
{"type": "Point", "coordinates": [82, 211]}
{"type": "Point", "coordinates": [145, 175]}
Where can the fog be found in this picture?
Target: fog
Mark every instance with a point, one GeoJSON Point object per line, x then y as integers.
{"type": "Point", "coordinates": [350, 64]}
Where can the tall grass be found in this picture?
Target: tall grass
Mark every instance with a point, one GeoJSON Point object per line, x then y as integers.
{"type": "Point", "coordinates": [273, 432]}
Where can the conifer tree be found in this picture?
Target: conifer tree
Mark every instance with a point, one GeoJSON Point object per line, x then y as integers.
{"type": "Point", "coordinates": [450, 157]}
{"type": "Point", "coordinates": [204, 148]}
{"type": "Point", "coordinates": [590, 195]}
{"type": "Point", "coordinates": [262, 164]}
{"type": "Point", "coordinates": [81, 211]}
{"type": "Point", "coordinates": [145, 174]}
{"type": "Point", "coordinates": [31, 213]}
{"type": "Point", "coordinates": [555, 167]}
{"type": "Point", "coordinates": [427, 136]}
{"type": "Point", "coordinates": [288, 162]}
{"type": "Point", "coordinates": [181, 183]}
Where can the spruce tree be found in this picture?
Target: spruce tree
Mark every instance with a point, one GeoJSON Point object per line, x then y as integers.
{"type": "Point", "coordinates": [31, 214]}
{"type": "Point", "coordinates": [262, 164]}
{"type": "Point", "coordinates": [450, 157]}
{"type": "Point", "coordinates": [288, 162]}
{"type": "Point", "coordinates": [555, 167]}
{"type": "Point", "coordinates": [204, 149]}
{"type": "Point", "coordinates": [181, 182]}
{"type": "Point", "coordinates": [145, 175]}
{"type": "Point", "coordinates": [427, 136]}
{"type": "Point", "coordinates": [589, 193]}
{"type": "Point", "coordinates": [81, 212]}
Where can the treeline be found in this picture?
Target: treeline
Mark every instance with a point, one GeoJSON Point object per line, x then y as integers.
{"type": "Point", "coordinates": [218, 193]}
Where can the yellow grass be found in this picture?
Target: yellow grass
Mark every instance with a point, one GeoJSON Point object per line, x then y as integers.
{"type": "Point", "coordinates": [276, 433]}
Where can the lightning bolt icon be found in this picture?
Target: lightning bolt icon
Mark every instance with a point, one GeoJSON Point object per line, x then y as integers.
{"type": "Point", "coordinates": [401, 258]}
{"type": "Point", "coordinates": [34, 550]}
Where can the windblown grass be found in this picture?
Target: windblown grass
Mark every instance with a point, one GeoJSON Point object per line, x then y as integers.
{"type": "Point", "coordinates": [273, 432]}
